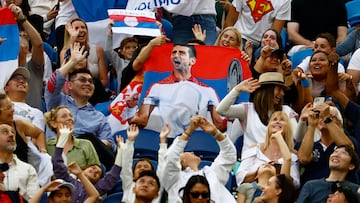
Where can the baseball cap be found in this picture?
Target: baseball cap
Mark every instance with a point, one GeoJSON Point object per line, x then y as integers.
{"type": "Point", "coordinates": [62, 184]}
{"type": "Point", "coordinates": [278, 52]}
{"type": "Point", "coordinates": [22, 71]}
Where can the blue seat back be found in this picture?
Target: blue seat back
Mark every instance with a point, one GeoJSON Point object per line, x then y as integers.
{"type": "Point", "coordinates": [146, 144]}
{"type": "Point", "coordinates": [203, 145]}
{"type": "Point", "coordinates": [113, 198]}
{"type": "Point", "coordinates": [299, 56]}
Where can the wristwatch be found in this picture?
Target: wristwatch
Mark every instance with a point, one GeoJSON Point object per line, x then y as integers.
{"type": "Point", "coordinates": [328, 119]}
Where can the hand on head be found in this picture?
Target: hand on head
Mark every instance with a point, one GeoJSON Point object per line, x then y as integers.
{"type": "Point", "coordinates": [248, 85]}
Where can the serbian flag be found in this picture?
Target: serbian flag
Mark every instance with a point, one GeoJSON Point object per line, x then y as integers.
{"type": "Point", "coordinates": [221, 68]}
{"type": "Point", "coordinates": [9, 48]}
{"type": "Point", "coordinates": [218, 67]}
{"type": "Point", "coordinates": [134, 22]}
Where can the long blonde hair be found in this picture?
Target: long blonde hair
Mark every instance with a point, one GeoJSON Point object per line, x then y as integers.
{"type": "Point", "coordinates": [237, 33]}
{"type": "Point", "coordinates": [288, 132]}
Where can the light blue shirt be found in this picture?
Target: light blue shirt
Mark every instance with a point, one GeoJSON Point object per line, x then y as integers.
{"type": "Point", "coordinates": [86, 118]}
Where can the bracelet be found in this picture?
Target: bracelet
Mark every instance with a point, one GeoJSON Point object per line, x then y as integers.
{"type": "Point", "coordinates": [187, 135]}
{"type": "Point", "coordinates": [305, 83]}
{"type": "Point", "coordinates": [22, 20]}
{"type": "Point", "coordinates": [218, 133]}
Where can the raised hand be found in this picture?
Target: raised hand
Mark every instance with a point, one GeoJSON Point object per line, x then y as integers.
{"type": "Point", "coordinates": [18, 13]}
{"type": "Point", "coordinates": [159, 40]}
{"type": "Point", "coordinates": [132, 132]}
{"type": "Point", "coordinates": [207, 126]}
{"type": "Point", "coordinates": [78, 52]}
{"type": "Point", "coordinates": [64, 133]}
{"type": "Point", "coordinates": [74, 168]}
{"type": "Point", "coordinates": [199, 33]}
{"type": "Point", "coordinates": [286, 65]}
{"type": "Point", "coordinates": [248, 85]}
{"type": "Point", "coordinates": [120, 142]}
{"type": "Point", "coordinates": [72, 32]}
{"type": "Point", "coordinates": [164, 133]}
{"type": "Point", "coordinates": [305, 111]}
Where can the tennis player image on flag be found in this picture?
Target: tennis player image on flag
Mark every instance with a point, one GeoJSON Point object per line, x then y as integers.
{"type": "Point", "coordinates": [134, 22]}
{"type": "Point", "coordinates": [214, 73]}
{"type": "Point", "coordinates": [9, 46]}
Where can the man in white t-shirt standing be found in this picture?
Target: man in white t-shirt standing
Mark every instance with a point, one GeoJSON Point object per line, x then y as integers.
{"type": "Point", "coordinates": [253, 18]}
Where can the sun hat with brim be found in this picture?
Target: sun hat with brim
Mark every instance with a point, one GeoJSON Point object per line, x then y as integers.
{"type": "Point", "coordinates": [22, 71]}
{"type": "Point", "coordinates": [272, 78]}
{"type": "Point", "coordinates": [62, 184]}
{"type": "Point", "coordinates": [279, 52]}
{"type": "Point", "coordinates": [4, 167]}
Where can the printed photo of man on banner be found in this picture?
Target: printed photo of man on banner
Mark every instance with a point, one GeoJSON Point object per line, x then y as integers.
{"type": "Point", "coordinates": [213, 72]}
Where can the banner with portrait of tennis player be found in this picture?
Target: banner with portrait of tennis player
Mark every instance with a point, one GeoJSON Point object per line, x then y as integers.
{"type": "Point", "coordinates": [220, 68]}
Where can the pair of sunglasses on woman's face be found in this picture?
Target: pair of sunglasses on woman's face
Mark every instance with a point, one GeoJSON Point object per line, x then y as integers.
{"type": "Point", "coordinates": [196, 195]}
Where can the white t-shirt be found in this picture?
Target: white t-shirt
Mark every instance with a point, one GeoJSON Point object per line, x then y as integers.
{"type": "Point", "coordinates": [177, 103]}
{"type": "Point", "coordinates": [354, 63]}
{"type": "Point", "coordinates": [66, 12]}
{"type": "Point", "coordinates": [252, 23]}
{"type": "Point", "coordinates": [42, 7]}
{"type": "Point", "coordinates": [31, 114]}
{"type": "Point", "coordinates": [179, 7]}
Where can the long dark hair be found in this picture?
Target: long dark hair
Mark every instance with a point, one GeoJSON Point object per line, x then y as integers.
{"type": "Point", "coordinates": [264, 102]}
{"type": "Point", "coordinates": [278, 37]}
{"type": "Point", "coordinates": [190, 184]}
{"type": "Point", "coordinates": [288, 191]}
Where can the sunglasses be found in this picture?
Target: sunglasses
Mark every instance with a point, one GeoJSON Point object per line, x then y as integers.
{"type": "Point", "coordinates": [196, 195]}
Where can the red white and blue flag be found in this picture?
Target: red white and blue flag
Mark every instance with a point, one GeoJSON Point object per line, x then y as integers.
{"type": "Point", "coordinates": [9, 48]}
{"type": "Point", "coordinates": [134, 22]}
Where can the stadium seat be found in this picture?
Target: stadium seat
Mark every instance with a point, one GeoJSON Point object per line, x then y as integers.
{"type": "Point", "coordinates": [117, 188]}
{"type": "Point", "coordinates": [52, 54]}
{"type": "Point", "coordinates": [298, 56]}
{"type": "Point", "coordinates": [203, 145]}
{"type": "Point", "coordinates": [146, 144]}
{"type": "Point", "coordinates": [113, 198]}
{"type": "Point", "coordinates": [284, 37]}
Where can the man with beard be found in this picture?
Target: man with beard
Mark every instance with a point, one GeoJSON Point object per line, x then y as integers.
{"type": "Point", "coordinates": [21, 176]}
{"type": "Point", "coordinates": [178, 97]}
